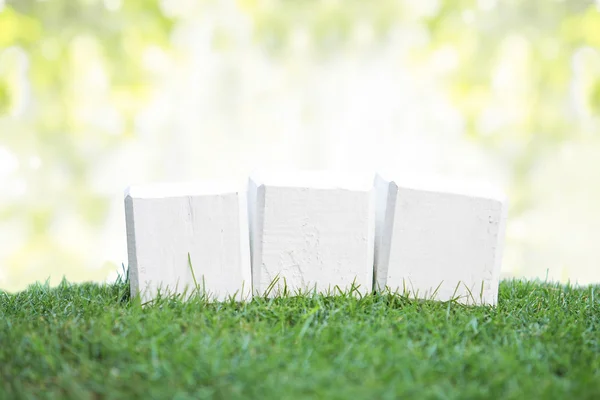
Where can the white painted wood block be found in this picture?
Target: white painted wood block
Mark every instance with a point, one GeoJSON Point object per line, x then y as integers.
{"type": "Point", "coordinates": [314, 231]}
{"type": "Point", "coordinates": [166, 222]}
{"type": "Point", "coordinates": [439, 239]}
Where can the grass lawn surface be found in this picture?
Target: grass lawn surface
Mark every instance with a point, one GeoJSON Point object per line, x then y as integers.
{"type": "Point", "coordinates": [91, 341]}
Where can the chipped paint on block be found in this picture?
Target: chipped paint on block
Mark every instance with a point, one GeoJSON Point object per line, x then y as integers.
{"type": "Point", "coordinates": [439, 239]}
{"type": "Point", "coordinates": [209, 222]}
{"type": "Point", "coordinates": [312, 231]}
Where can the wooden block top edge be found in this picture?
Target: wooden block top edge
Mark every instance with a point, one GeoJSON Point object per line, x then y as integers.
{"type": "Point", "coordinates": [439, 184]}
{"type": "Point", "coordinates": [161, 190]}
{"type": "Point", "coordinates": [325, 179]}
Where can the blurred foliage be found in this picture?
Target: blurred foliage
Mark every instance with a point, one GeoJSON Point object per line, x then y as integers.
{"type": "Point", "coordinates": [514, 58]}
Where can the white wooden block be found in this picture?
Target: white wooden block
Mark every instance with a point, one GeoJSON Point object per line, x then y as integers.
{"type": "Point", "coordinates": [439, 239]}
{"type": "Point", "coordinates": [312, 230]}
{"type": "Point", "coordinates": [166, 222]}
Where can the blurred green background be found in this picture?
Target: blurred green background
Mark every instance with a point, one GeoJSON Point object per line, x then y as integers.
{"type": "Point", "coordinates": [98, 94]}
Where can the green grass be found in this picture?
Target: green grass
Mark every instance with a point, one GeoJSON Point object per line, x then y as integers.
{"type": "Point", "coordinates": [91, 341]}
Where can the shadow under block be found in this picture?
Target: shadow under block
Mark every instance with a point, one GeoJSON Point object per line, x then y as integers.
{"type": "Point", "coordinates": [311, 232]}
{"type": "Point", "coordinates": [166, 222]}
{"type": "Point", "coordinates": [439, 240]}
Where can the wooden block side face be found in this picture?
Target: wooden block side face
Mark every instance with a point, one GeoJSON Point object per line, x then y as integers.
{"type": "Point", "coordinates": [255, 220]}
{"type": "Point", "coordinates": [208, 228]}
{"type": "Point", "coordinates": [315, 238]}
{"type": "Point", "coordinates": [386, 193]}
{"type": "Point", "coordinates": [382, 187]}
{"type": "Point", "coordinates": [131, 247]}
{"type": "Point", "coordinates": [446, 246]}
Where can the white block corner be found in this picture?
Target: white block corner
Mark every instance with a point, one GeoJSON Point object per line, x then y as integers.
{"type": "Point", "coordinates": [311, 232]}
{"type": "Point", "coordinates": [439, 239]}
{"type": "Point", "coordinates": [207, 222]}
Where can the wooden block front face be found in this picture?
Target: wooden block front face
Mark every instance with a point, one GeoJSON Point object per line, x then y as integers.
{"type": "Point", "coordinates": [212, 228]}
{"type": "Point", "coordinates": [441, 244]}
{"type": "Point", "coordinates": [312, 237]}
